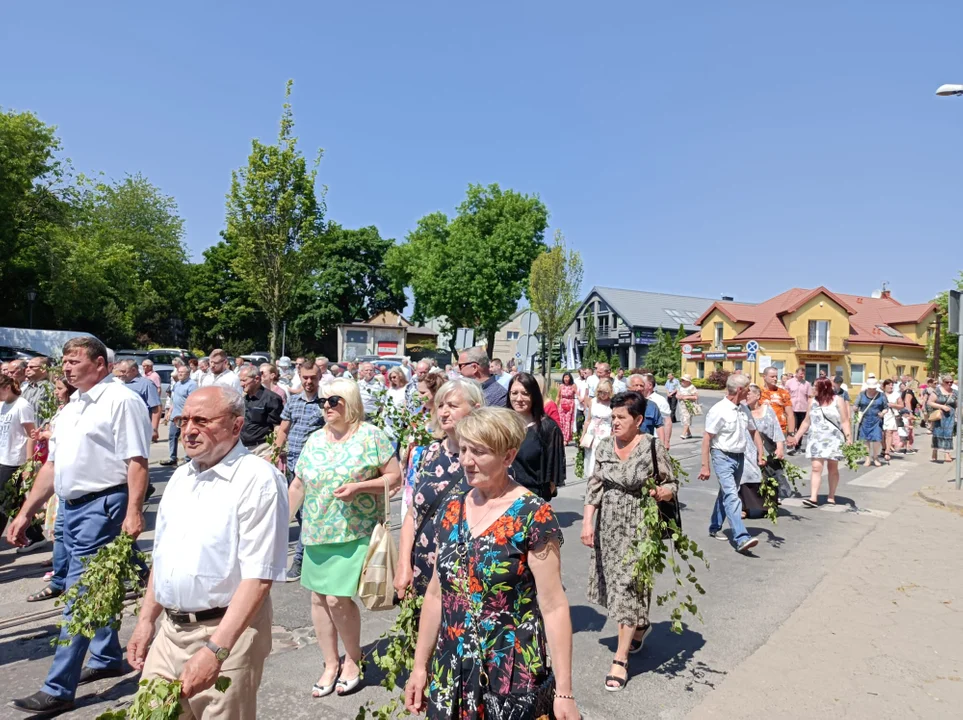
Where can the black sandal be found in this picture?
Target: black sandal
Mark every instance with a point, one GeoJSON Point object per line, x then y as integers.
{"type": "Point", "coordinates": [636, 645]}
{"type": "Point", "coordinates": [614, 678]}
{"type": "Point", "coordinates": [809, 503]}
{"type": "Point", "coordinates": [48, 593]}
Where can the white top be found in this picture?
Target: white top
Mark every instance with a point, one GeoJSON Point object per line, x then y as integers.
{"type": "Point", "coordinates": [618, 386]}
{"type": "Point", "coordinates": [219, 527]}
{"type": "Point", "coordinates": [593, 384]}
{"type": "Point", "coordinates": [97, 432]}
{"type": "Point", "coordinates": [728, 425]}
{"type": "Point", "coordinates": [371, 390]}
{"type": "Point", "coordinates": [663, 405]}
{"type": "Point", "coordinates": [228, 378]}
{"type": "Point", "coordinates": [581, 386]}
{"type": "Point", "coordinates": [13, 438]}
{"type": "Point", "coordinates": [197, 376]}
{"type": "Point", "coordinates": [398, 396]}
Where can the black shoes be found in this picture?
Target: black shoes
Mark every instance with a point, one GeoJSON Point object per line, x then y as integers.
{"type": "Point", "coordinates": [42, 703]}
{"type": "Point", "coordinates": [90, 675]}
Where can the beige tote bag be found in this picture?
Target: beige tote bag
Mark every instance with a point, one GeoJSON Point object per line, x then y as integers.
{"type": "Point", "coordinates": [375, 588]}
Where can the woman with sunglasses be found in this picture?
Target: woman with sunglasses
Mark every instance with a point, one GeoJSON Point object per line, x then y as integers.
{"type": "Point", "coordinates": [340, 479]}
{"type": "Point", "coordinates": [943, 398]}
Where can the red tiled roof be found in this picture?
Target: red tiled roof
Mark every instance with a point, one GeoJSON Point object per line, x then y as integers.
{"type": "Point", "coordinates": [865, 313]}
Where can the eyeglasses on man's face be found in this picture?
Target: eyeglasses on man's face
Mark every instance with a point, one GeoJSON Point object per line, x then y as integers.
{"type": "Point", "coordinates": [464, 364]}
{"type": "Point", "coordinates": [199, 420]}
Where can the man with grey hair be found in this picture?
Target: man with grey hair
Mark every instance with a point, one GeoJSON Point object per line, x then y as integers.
{"type": "Point", "coordinates": [724, 446]}
{"type": "Point", "coordinates": [262, 412]}
{"type": "Point", "coordinates": [220, 544]}
{"type": "Point", "coordinates": [145, 389]}
{"type": "Point", "coordinates": [17, 369]}
{"type": "Point", "coordinates": [652, 421]}
{"type": "Point", "coordinates": [474, 364]}
{"type": "Point", "coordinates": [203, 367]}
{"type": "Point", "coordinates": [37, 386]}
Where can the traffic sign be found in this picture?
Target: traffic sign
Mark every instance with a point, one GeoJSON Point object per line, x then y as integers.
{"type": "Point", "coordinates": [751, 357]}
{"type": "Point", "coordinates": [752, 346]}
{"type": "Point", "coordinates": [527, 345]}
{"type": "Point", "coordinates": [687, 348]}
{"type": "Point", "coordinates": [955, 325]}
{"type": "Point", "coordinates": [529, 322]}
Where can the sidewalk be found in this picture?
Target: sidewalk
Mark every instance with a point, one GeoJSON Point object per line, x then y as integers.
{"type": "Point", "coordinates": [880, 637]}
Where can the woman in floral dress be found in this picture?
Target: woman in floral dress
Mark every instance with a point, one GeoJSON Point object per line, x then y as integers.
{"type": "Point", "coordinates": [439, 475]}
{"type": "Point", "coordinates": [829, 428]}
{"type": "Point", "coordinates": [566, 406]}
{"type": "Point", "coordinates": [495, 605]}
{"type": "Point", "coordinates": [415, 453]}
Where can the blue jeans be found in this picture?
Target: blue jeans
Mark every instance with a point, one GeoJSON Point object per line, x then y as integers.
{"type": "Point", "coordinates": [61, 561]}
{"type": "Point", "coordinates": [87, 528]}
{"type": "Point", "coordinates": [728, 469]}
{"type": "Point", "coordinates": [299, 548]}
{"type": "Point", "coordinates": [174, 434]}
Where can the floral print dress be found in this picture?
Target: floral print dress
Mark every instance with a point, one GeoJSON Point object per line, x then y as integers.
{"type": "Point", "coordinates": [566, 410]}
{"type": "Point", "coordinates": [439, 469]}
{"type": "Point", "coordinates": [496, 617]}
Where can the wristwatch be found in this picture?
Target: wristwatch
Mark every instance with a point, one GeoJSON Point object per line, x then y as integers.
{"type": "Point", "coordinates": [220, 653]}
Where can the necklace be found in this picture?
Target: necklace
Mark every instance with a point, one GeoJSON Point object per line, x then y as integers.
{"type": "Point", "coordinates": [491, 501]}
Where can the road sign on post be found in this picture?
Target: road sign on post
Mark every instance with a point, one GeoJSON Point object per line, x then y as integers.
{"type": "Point", "coordinates": [464, 338]}
{"type": "Point", "coordinates": [956, 327]}
{"type": "Point", "coordinates": [529, 322]}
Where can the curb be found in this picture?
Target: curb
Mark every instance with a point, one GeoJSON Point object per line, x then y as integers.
{"type": "Point", "coordinates": [929, 495]}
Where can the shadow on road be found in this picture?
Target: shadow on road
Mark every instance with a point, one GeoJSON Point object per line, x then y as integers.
{"type": "Point", "coordinates": [34, 646]}
{"type": "Point", "coordinates": [567, 518]}
{"type": "Point", "coordinates": [586, 619]}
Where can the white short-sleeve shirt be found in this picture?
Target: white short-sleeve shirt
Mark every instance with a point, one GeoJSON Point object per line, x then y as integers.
{"type": "Point", "coordinates": [228, 378]}
{"type": "Point", "coordinates": [218, 527]}
{"type": "Point", "coordinates": [728, 424]}
{"type": "Point", "coordinates": [13, 438]}
{"type": "Point", "coordinates": [662, 404]}
{"type": "Point", "coordinates": [97, 432]}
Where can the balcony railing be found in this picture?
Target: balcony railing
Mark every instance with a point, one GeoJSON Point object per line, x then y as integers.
{"type": "Point", "coordinates": [829, 346]}
{"type": "Point", "coordinates": [600, 333]}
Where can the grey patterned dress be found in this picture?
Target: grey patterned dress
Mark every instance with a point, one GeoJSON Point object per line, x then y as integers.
{"type": "Point", "coordinates": [825, 432]}
{"type": "Point", "coordinates": [615, 490]}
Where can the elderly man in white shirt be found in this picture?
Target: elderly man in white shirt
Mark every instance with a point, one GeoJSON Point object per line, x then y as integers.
{"type": "Point", "coordinates": [219, 545]}
{"type": "Point", "coordinates": [220, 373]}
{"type": "Point", "coordinates": [370, 387]}
{"type": "Point", "coordinates": [724, 444]}
{"type": "Point", "coordinates": [98, 466]}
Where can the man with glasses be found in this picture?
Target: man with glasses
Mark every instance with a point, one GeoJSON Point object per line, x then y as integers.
{"type": "Point", "coordinates": [98, 466]}
{"type": "Point", "coordinates": [474, 364]}
{"type": "Point", "coordinates": [17, 369]}
{"type": "Point", "coordinates": [262, 412]}
{"type": "Point", "coordinates": [220, 544]}
{"type": "Point", "coordinates": [221, 374]}
{"type": "Point", "coordinates": [302, 415]}
{"type": "Point", "coordinates": [180, 391]}
{"type": "Point", "coordinates": [36, 386]}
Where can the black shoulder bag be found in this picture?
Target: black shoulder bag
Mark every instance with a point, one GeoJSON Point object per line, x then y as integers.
{"type": "Point", "coordinates": [668, 509]}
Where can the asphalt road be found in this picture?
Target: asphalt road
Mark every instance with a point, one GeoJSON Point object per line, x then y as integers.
{"type": "Point", "coordinates": [747, 599]}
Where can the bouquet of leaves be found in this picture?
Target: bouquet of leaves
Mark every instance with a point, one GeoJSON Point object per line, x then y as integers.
{"type": "Point", "coordinates": [650, 554]}
{"type": "Point", "coordinates": [769, 490]}
{"type": "Point", "coordinates": [794, 475]}
{"type": "Point", "coordinates": [401, 422]}
{"type": "Point", "coordinates": [689, 407]}
{"type": "Point", "coordinates": [97, 599]}
{"type": "Point", "coordinates": [854, 453]}
{"type": "Point", "coordinates": [580, 462]}
{"type": "Point", "coordinates": [157, 699]}
{"type": "Point", "coordinates": [276, 452]}
{"type": "Point", "coordinates": [397, 659]}
{"type": "Point", "coordinates": [18, 485]}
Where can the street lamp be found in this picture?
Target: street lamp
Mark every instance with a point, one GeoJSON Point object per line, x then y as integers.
{"type": "Point", "coordinates": [31, 298]}
{"type": "Point", "coordinates": [949, 90]}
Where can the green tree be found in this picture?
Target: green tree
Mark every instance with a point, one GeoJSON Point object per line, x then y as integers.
{"type": "Point", "coordinates": [472, 270]}
{"type": "Point", "coordinates": [664, 354]}
{"type": "Point", "coordinates": [118, 269]}
{"type": "Point", "coordinates": [553, 291]}
{"type": "Point", "coordinates": [949, 343]}
{"type": "Point", "coordinates": [35, 202]}
{"type": "Point", "coordinates": [274, 218]}
{"type": "Point", "coordinates": [348, 281]}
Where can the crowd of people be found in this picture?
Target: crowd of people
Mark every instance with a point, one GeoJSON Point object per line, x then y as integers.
{"type": "Point", "coordinates": [319, 444]}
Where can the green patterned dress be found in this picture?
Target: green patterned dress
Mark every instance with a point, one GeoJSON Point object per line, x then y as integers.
{"type": "Point", "coordinates": [335, 533]}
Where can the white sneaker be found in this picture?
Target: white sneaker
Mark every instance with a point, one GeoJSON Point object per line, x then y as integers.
{"type": "Point", "coordinates": [748, 545]}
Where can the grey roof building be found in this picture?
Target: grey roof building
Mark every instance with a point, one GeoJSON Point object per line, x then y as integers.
{"type": "Point", "coordinates": [626, 320]}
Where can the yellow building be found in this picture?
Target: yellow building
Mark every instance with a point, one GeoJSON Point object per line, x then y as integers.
{"type": "Point", "coordinates": [845, 335]}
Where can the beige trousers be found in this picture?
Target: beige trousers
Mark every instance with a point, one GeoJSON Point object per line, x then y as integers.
{"type": "Point", "coordinates": [175, 644]}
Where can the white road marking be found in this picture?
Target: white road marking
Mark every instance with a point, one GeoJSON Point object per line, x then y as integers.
{"type": "Point", "coordinates": [881, 477]}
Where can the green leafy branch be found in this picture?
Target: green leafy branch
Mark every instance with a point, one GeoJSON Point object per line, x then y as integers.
{"type": "Point", "coordinates": [854, 453]}
{"type": "Point", "coordinates": [18, 485]}
{"type": "Point", "coordinates": [397, 658]}
{"type": "Point", "coordinates": [580, 462]}
{"type": "Point", "coordinates": [399, 420]}
{"type": "Point", "coordinates": [794, 475]}
{"type": "Point", "coordinates": [97, 599]}
{"type": "Point", "coordinates": [157, 699]}
{"type": "Point", "coordinates": [276, 452]}
{"type": "Point", "coordinates": [650, 554]}
{"type": "Point", "coordinates": [769, 490]}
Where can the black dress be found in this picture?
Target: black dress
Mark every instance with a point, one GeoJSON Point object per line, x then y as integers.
{"type": "Point", "coordinates": [540, 463]}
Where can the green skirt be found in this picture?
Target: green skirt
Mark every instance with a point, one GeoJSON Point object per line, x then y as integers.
{"type": "Point", "coordinates": [334, 569]}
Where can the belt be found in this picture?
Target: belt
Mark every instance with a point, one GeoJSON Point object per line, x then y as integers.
{"type": "Point", "coordinates": [729, 453]}
{"type": "Point", "coordinates": [195, 617]}
{"type": "Point", "coordinates": [94, 495]}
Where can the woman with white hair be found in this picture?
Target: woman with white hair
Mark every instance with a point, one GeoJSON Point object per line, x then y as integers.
{"type": "Point", "coordinates": [439, 475]}
{"type": "Point", "coordinates": [688, 393]}
{"type": "Point", "coordinates": [598, 423]}
{"type": "Point", "coordinates": [340, 478]}
{"type": "Point", "coordinates": [943, 398]}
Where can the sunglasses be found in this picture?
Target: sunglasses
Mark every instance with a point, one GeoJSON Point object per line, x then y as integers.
{"type": "Point", "coordinates": [461, 365]}
{"type": "Point", "coordinates": [332, 401]}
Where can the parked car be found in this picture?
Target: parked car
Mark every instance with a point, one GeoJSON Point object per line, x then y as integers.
{"type": "Point", "coordinates": [165, 356]}
{"type": "Point", "coordinates": [17, 353]}
{"type": "Point", "coordinates": [137, 356]}
{"type": "Point", "coordinates": [257, 358]}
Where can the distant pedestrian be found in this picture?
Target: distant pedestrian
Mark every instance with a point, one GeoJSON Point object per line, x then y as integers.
{"type": "Point", "coordinates": [37, 388]}
{"type": "Point", "coordinates": [145, 390]}
{"type": "Point", "coordinates": [618, 382]}
{"type": "Point", "coordinates": [17, 425]}
{"type": "Point", "coordinates": [262, 412]}
{"type": "Point", "coordinates": [598, 425]}
{"type": "Point", "coordinates": [688, 397]}
{"type": "Point", "coordinates": [271, 380]}
{"type": "Point", "coordinates": [566, 406]}
{"type": "Point", "coordinates": [774, 450]}
{"type": "Point", "coordinates": [220, 373]}
{"type": "Point", "coordinates": [800, 390]}
{"type": "Point", "coordinates": [671, 394]}
{"type": "Point", "coordinates": [181, 389]}
{"type": "Point", "coordinates": [943, 398]}
{"type": "Point", "coordinates": [148, 367]}
{"type": "Point", "coordinates": [871, 405]}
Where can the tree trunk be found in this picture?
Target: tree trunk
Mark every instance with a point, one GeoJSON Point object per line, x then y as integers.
{"type": "Point", "coordinates": [274, 338]}
{"type": "Point", "coordinates": [491, 343]}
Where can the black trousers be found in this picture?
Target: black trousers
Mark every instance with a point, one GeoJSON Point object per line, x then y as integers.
{"type": "Point", "coordinates": [673, 404]}
{"type": "Point", "coordinates": [579, 422]}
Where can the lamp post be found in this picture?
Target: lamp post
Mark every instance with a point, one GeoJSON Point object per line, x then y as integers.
{"type": "Point", "coordinates": [31, 299]}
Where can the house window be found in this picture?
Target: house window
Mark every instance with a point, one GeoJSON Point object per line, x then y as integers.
{"type": "Point", "coordinates": [513, 334]}
{"type": "Point", "coordinates": [899, 370]}
{"type": "Point", "coordinates": [358, 337]}
{"type": "Point", "coordinates": [819, 334]}
{"type": "Point", "coordinates": [913, 370]}
{"type": "Point", "coordinates": [700, 369]}
{"type": "Point", "coordinates": [857, 373]}
{"type": "Point", "coordinates": [720, 328]}
{"type": "Point", "coordinates": [737, 365]}
{"type": "Point", "coordinates": [603, 325]}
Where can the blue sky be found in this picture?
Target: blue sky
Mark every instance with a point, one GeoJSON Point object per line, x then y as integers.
{"type": "Point", "coordinates": [698, 148]}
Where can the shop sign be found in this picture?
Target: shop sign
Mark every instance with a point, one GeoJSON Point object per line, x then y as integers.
{"type": "Point", "coordinates": [716, 356]}
{"type": "Point", "coordinates": [693, 356]}
{"type": "Point", "coordinates": [737, 356]}
{"type": "Point", "coordinates": [733, 348]}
